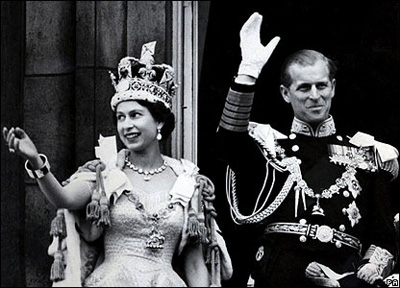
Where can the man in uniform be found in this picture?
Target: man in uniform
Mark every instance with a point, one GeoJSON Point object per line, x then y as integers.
{"type": "Point", "coordinates": [311, 208]}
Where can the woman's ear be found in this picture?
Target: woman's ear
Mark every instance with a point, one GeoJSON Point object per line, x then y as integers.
{"type": "Point", "coordinates": [160, 125]}
{"type": "Point", "coordinates": [285, 93]}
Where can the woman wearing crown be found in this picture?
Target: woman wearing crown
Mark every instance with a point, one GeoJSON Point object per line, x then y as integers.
{"type": "Point", "coordinates": [136, 217]}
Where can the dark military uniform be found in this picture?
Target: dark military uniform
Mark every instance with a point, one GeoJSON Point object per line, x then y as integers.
{"type": "Point", "coordinates": [330, 210]}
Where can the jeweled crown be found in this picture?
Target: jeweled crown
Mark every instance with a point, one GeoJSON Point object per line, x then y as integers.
{"type": "Point", "coordinates": [141, 79]}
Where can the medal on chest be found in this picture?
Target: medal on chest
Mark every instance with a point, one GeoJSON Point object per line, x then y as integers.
{"type": "Point", "coordinates": [347, 184]}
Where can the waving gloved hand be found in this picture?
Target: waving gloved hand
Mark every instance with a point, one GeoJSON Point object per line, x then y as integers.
{"type": "Point", "coordinates": [254, 54]}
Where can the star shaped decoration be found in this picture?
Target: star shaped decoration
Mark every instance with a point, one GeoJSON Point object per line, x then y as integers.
{"type": "Point", "coordinates": [354, 187]}
{"type": "Point", "coordinates": [353, 213]}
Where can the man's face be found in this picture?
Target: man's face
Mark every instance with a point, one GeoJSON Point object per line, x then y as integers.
{"type": "Point", "coordinates": [311, 92]}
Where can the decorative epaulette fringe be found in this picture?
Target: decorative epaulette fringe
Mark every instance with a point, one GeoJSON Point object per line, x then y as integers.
{"type": "Point", "coordinates": [98, 210]}
{"type": "Point", "coordinates": [207, 224]}
{"type": "Point", "coordinates": [58, 229]}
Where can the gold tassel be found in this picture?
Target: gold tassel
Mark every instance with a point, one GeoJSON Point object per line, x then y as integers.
{"type": "Point", "coordinates": [58, 266]}
{"type": "Point", "coordinates": [215, 268]}
{"type": "Point", "coordinates": [104, 219]}
{"type": "Point", "coordinates": [212, 257]}
{"type": "Point", "coordinates": [193, 223]}
{"type": "Point", "coordinates": [57, 227]}
{"type": "Point", "coordinates": [104, 212]}
{"type": "Point", "coordinates": [93, 208]}
{"type": "Point", "coordinates": [202, 229]}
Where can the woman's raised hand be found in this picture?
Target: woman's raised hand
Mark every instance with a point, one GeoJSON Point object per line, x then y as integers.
{"type": "Point", "coordinates": [18, 142]}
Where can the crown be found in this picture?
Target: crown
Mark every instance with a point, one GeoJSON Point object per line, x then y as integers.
{"type": "Point", "coordinates": [141, 79]}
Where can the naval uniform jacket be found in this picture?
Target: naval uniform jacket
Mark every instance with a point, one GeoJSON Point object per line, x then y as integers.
{"type": "Point", "coordinates": [363, 212]}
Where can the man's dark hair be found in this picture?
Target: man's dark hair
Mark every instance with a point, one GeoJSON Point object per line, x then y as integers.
{"type": "Point", "coordinates": [305, 57]}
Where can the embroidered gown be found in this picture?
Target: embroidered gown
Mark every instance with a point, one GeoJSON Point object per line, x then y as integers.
{"type": "Point", "coordinates": [127, 260]}
{"type": "Point", "coordinates": [141, 223]}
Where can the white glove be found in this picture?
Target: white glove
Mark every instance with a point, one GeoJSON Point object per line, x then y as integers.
{"type": "Point", "coordinates": [254, 54]}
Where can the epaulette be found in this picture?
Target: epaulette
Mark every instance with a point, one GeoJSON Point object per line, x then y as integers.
{"type": "Point", "coordinates": [386, 155]}
{"type": "Point", "coordinates": [265, 136]}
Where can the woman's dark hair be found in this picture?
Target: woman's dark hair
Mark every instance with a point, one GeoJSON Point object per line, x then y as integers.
{"type": "Point", "coordinates": [160, 113]}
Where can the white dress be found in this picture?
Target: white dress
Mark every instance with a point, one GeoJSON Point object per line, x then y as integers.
{"type": "Point", "coordinates": [147, 230]}
{"type": "Point", "coordinates": [128, 260]}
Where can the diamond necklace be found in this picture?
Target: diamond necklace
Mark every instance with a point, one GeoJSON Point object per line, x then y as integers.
{"type": "Point", "coordinates": [146, 173]}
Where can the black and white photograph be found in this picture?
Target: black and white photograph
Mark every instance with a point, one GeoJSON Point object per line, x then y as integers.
{"type": "Point", "coordinates": [200, 143]}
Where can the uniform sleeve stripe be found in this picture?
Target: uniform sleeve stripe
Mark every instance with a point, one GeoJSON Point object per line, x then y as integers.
{"type": "Point", "coordinates": [233, 126]}
{"type": "Point", "coordinates": [236, 114]}
{"type": "Point", "coordinates": [238, 109]}
{"type": "Point", "coordinates": [241, 99]}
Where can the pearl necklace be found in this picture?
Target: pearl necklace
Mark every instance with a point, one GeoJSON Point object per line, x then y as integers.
{"type": "Point", "coordinates": [146, 174]}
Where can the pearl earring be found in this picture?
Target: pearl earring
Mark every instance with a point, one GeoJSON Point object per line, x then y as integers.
{"type": "Point", "coordinates": [159, 136]}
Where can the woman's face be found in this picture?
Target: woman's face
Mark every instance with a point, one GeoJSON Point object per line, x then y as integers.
{"type": "Point", "coordinates": [136, 126]}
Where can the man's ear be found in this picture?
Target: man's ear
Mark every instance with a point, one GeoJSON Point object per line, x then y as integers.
{"type": "Point", "coordinates": [285, 93]}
